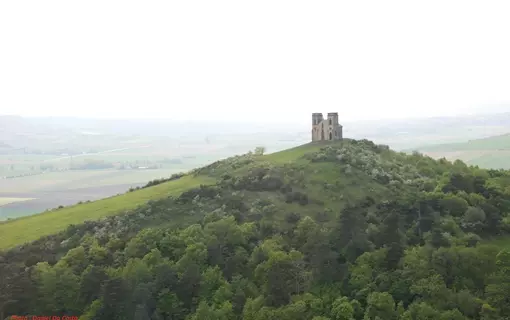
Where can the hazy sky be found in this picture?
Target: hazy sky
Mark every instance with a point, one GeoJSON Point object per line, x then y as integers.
{"type": "Point", "coordinates": [255, 60]}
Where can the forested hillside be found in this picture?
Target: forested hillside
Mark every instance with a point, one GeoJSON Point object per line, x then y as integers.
{"type": "Point", "coordinates": [345, 230]}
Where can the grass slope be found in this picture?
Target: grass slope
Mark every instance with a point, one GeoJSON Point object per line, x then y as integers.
{"type": "Point", "coordinates": [328, 185]}
{"type": "Point", "coordinates": [26, 229]}
{"type": "Point", "coordinates": [294, 154]}
{"type": "Point", "coordinates": [491, 152]}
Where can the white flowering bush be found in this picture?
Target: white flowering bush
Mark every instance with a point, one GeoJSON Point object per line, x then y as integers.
{"type": "Point", "coordinates": [226, 165]}
{"type": "Point", "coordinates": [374, 161]}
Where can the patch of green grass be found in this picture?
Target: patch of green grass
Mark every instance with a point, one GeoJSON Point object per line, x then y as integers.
{"type": "Point", "coordinates": [26, 229]}
{"type": "Point", "coordinates": [291, 155]}
{"type": "Point", "coordinates": [500, 242]}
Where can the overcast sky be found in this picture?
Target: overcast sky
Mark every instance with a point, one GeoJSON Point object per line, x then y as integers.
{"type": "Point", "coordinates": [255, 60]}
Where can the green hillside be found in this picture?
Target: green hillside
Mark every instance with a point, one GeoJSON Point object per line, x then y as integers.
{"type": "Point", "coordinates": [492, 152]}
{"type": "Point", "coordinates": [339, 230]}
{"type": "Point", "coordinates": [19, 231]}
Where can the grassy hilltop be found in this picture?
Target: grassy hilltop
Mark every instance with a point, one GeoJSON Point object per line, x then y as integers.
{"type": "Point", "coordinates": [334, 230]}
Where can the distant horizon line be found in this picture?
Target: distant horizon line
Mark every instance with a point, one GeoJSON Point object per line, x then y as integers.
{"type": "Point", "coordinates": [160, 119]}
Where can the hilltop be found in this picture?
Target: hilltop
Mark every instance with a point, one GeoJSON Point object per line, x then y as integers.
{"type": "Point", "coordinates": [315, 177]}
{"type": "Point", "coordinates": [330, 230]}
{"type": "Point", "coordinates": [492, 152]}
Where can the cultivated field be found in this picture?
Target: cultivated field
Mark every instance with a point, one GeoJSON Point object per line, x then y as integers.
{"type": "Point", "coordinates": [70, 180]}
{"type": "Point", "coordinates": [42, 201]}
{"type": "Point", "coordinates": [51, 189]}
{"type": "Point", "coordinates": [33, 194]}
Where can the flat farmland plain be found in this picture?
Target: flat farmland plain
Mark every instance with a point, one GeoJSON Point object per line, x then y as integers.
{"type": "Point", "coordinates": [33, 194]}
{"type": "Point", "coordinates": [7, 200]}
{"type": "Point", "coordinates": [77, 179]}
{"type": "Point", "coordinates": [44, 200]}
{"type": "Point", "coordinates": [48, 190]}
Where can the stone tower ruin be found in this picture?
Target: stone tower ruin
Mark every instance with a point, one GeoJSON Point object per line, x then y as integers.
{"type": "Point", "coordinates": [326, 129]}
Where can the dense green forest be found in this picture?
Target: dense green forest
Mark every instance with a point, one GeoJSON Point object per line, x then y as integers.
{"type": "Point", "coordinates": [344, 230]}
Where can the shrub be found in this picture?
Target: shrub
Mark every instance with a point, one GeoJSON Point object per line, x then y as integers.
{"type": "Point", "coordinates": [296, 196]}
{"type": "Point", "coordinates": [154, 182]}
{"type": "Point", "coordinates": [292, 217]}
{"type": "Point", "coordinates": [202, 192]}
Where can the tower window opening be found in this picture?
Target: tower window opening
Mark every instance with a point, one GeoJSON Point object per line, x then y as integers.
{"type": "Point", "coordinates": [330, 136]}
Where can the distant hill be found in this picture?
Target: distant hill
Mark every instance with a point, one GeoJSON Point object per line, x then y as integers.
{"type": "Point", "coordinates": [58, 135]}
{"type": "Point", "coordinates": [491, 152]}
{"type": "Point", "coordinates": [412, 133]}
{"type": "Point", "coordinates": [500, 142]}
{"type": "Point", "coordinates": [333, 230]}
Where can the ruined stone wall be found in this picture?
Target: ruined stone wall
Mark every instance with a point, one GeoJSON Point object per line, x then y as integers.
{"type": "Point", "coordinates": [326, 129]}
